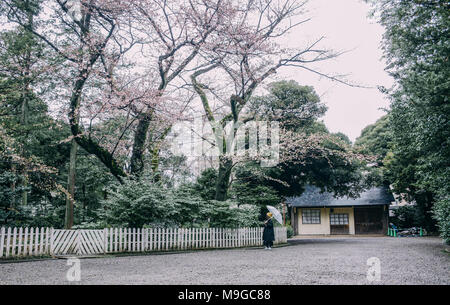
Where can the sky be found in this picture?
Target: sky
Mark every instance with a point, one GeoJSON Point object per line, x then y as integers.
{"type": "Point", "coordinates": [346, 27]}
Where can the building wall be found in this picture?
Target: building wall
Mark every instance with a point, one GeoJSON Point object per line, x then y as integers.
{"type": "Point", "coordinates": [324, 227]}
{"type": "Point", "coordinates": [351, 217]}
{"type": "Point", "coordinates": [310, 229]}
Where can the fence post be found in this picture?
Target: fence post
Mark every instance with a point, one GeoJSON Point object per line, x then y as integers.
{"type": "Point", "coordinates": [139, 239]}
{"type": "Point", "coordinates": [202, 238]}
{"type": "Point", "coordinates": [31, 244]}
{"type": "Point", "coordinates": [183, 239]}
{"type": "Point", "coordinates": [105, 241]}
{"type": "Point", "coordinates": [51, 241]}
{"type": "Point", "coordinates": [211, 237]}
{"type": "Point", "coordinates": [2, 241]}
{"type": "Point", "coordinates": [164, 230]}
{"type": "Point", "coordinates": [78, 242]}
{"type": "Point", "coordinates": [36, 241]}
{"type": "Point", "coordinates": [8, 241]}
{"type": "Point", "coordinates": [157, 239]}
{"type": "Point", "coordinates": [19, 242]}
{"type": "Point", "coordinates": [41, 246]}
{"type": "Point", "coordinates": [151, 239]}
{"type": "Point", "coordinates": [204, 243]}
{"type": "Point", "coordinates": [145, 240]}
{"type": "Point", "coordinates": [14, 238]}
{"type": "Point", "coordinates": [128, 236]}
{"type": "Point", "coordinates": [47, 241]}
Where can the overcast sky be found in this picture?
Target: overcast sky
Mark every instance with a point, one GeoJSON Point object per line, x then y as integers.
{"type": "Point", "coordinates": [346, 26]}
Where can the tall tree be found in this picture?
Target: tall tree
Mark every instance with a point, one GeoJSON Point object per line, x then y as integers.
{"type": "Point", "coordinates": [417, 46]}
{"type": "Point", "coordinates": [176, 32]}
{"type": "Point", "coordinates": [23, 66]}
{"type": "Point", "coordinates": [293, 105]}
{"type": "Point", "coordinates": [82, 35]}
{"type": "Point", "coordinates": [248, 54]}
{"type": "Point", "coordinates": [376, 139]}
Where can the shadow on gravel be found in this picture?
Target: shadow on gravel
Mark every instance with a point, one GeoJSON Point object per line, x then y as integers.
{"type": "Point", "coordinates": [293, 242]}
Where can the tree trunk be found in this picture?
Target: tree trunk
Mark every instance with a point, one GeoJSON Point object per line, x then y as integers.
{"type": "Point", "coordinates": [223, 178]}
{"type": "Point", "coordinates": [68, 223]}
{"type": "Point", "coordinates": [25, 104]}
{"type": "Point", "coordinates": [13, 186]}
{"type": "Point", "coordinates": [155, 164]}
{"type": "Point", "coordinates": [140, 138]}
{"type": "Point", "coordinates": [86, 142]}
{"type": "Point", "coordinates": [24, 120]}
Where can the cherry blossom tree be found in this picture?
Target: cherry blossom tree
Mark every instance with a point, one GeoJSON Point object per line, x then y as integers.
{"type": "Point", "coordinates": [93, 37]}
{"type": "Point", "coordinates": [248, 53]}
{"type": "Point", "coordinates": [175, 31]}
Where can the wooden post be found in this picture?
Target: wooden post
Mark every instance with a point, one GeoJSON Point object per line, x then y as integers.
{"type": "Point", "coordinates": [120, 240]}
{"type": "Point", "coordinates": [19, 242]}
{"type": "Point", "coordinates": [41, 247]}
{"type": "Point", "coordinates": [188, 238]}
{"type": "Point", "coordinates": [151, 239]}
{"type": "Point", "coordinates": [2, 241]}
{"type": "Point", "coordinates": [8, 242]}
{"type": "Point", "coordinates": [134, 239]}
{"type": "Point", "coordinates": [138, 239]}
{"type": "Point", "coordinates": [47, 240]}
{"type": "Point", "coordinates": [129, 239]}
{"type": "Point", "coordinates": [115, 233]}
{"type": "Point", "coordinates": [14, 238]}
{"type": "Point", "coordinates": [36, 241]}
{"type": "Point", "coordinates": [25, 242]}
{"type": "Point", "coordinates": [157, 239]}
{"type": "Point", "coordinates": [30, 246]}
{"type": "Point", "coordinates": [145, 240]}
{"type": "Point", "coordinates": [196, 237]}
{"type": "Point", "coordinates": [51, 240]}
{"type": "Point", "coordinates": [181, 238]}
{"type": "Point", "coordinates": [105, 240]}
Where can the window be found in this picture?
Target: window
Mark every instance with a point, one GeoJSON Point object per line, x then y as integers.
{"type": "Point", "coordinates": [310, 216]}
{"type": "Point", "coordinates": [339, 219]}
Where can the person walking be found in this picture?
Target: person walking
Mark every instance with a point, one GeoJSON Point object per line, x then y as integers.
{"type": "Point", "coordinates": [268, 234]}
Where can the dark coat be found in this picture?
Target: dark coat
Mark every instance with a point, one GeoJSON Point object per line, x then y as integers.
{"type": "Point", "coordinates": [268, 234]}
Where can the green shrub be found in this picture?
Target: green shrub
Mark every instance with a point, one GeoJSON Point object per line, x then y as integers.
{"type": "Point", "coordinates": [407, 217]}
{"type": "Point", "coordinates": [442, 214]}
{"type": "Point", "coordinates": [289, 231]}
{"type": "Point", "coordinates": [138, 203]}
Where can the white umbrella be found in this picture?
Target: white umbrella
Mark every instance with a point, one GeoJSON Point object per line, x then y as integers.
{"type": "Point", "coordinates": [276, 214]}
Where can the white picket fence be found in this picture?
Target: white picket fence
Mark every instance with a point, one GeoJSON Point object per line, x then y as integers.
{"type": "Point", "coordinates": [24, 242]}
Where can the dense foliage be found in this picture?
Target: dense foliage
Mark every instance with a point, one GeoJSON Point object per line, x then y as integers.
{"type": "Point", "coordinates": [140, 203]}
{"type": "Point", "coordinates": [417, 46]}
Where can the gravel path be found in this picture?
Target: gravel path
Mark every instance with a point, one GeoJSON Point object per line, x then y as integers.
{"type": "Point", "coordinates": [340, 260]}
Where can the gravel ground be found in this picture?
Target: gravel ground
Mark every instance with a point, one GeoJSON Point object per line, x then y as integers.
{"type": "Point", "coordinates": [337, 260]}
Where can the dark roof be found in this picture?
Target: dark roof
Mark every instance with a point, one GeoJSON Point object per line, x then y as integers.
{"type": "Point", "coordinates": [313, 197]}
